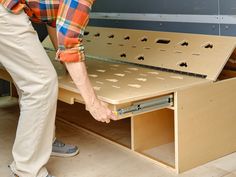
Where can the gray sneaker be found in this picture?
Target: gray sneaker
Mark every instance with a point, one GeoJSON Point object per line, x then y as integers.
{"type": "Point", "coordinates": [61, 149]}
{"type": "Point", "coordinates": [14, 175]}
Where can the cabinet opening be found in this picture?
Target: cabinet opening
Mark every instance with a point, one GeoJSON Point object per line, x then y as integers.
{"type": "Point", "coordinates": [117, 131]}
{"type": "Point", "coordinates": [153, 135]}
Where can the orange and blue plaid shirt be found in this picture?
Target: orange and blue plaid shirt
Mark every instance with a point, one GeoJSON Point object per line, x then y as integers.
{"type": "Point", "coordinates": [70, 17]}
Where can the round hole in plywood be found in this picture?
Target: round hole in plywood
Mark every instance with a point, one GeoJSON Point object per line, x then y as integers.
{"type": "Point", "coordinates": [196, 54]}
{"type": "Point", "coordinates": [121, 45]}
{"type": "Point", "coordinates": [162, 50]}
{"type": "Point", "coordinates": [147, 48]}
{"type": "Point", "coordinates": [88, 40]}
{"type": "Point", "coordinates": [109, 43]}
{"type": "Point", "coordinates": [134, 46]}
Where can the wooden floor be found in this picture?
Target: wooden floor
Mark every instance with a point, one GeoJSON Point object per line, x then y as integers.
{"type": "Point", "coordinates": [98, 158]}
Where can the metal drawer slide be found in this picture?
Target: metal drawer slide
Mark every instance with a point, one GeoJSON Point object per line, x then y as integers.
{"type": "Point", "coordinates": [148, 105]}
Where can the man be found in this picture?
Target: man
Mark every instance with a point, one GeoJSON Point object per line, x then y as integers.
{"type": "Point", "coordinates": [24, 58]}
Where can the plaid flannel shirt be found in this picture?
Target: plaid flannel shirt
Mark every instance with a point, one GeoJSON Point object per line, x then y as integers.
{"type": "Point", "coordinates": [70, 17]}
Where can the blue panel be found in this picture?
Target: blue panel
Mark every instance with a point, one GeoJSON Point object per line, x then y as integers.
{"type": "Point", "coordinates": [159, 26]}
{"type": "Point", "coordinates": [228, 30]}
{"type": "Point", "coordinates": [209, 7]}
{"type": "Point", "coordinates": [228, 7]}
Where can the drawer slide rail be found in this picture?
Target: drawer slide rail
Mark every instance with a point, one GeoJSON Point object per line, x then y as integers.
{"type": "Point", "coordinates": [148, 105]}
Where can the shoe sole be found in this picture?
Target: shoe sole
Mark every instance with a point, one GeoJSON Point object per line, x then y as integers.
{"type": "Point", "coordinates": [56, 154]}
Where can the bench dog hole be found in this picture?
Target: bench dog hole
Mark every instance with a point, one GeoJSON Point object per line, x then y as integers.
{"type": "Point", "coordinates": [183, 64]}
{"type": "Point", "coordinates": [208, 46]}
{"type": "Point", "coordinates": [184, 43]}
{"type": "Point", "coordinates": [144, 39]}
{"type": "Point", "coordinates": [126, 38]}
{"type": "Point", "coordinates": [123, 55]}
{"type": "Point", "coordinates": [141, 58]}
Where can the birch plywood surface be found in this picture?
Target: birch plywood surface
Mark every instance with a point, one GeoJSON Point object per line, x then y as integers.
{"type": "Point", "coordinates": [122, 83]}
{"type": "Point", "coordinates": [200, 54]}
{"type": "Point", "coordinates": [206, 123]}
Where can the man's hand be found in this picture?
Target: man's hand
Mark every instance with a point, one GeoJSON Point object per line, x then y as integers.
{"type": "Point", "coordinates": [100, 111]}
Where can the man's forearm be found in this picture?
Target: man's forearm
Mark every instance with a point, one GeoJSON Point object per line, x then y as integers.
{"type": "Point", "coordinates": [78, 73]}
{"type": "Point", "coordinates": [53, 36]}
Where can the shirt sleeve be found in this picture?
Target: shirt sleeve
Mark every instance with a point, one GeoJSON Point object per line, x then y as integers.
{"type": "Point", "coordinates": [72, 18]}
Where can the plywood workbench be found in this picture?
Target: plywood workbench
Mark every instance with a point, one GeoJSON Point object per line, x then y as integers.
{"type": "Point", "coordinates": [175, 93]}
